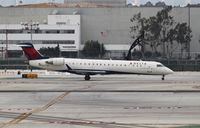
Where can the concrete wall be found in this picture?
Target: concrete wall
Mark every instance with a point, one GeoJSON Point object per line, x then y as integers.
{"type": "Point", "coordinates": [110, 26]}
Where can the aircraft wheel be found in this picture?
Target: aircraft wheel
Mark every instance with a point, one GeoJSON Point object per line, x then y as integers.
{"type": "Point", "coordinates": [163, 77]}
{"type": "Point", "coordinates": [87, 77]}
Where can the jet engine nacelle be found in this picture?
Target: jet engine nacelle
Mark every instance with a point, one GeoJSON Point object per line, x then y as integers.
{"type": "Point", "coordinates": [56, 61]}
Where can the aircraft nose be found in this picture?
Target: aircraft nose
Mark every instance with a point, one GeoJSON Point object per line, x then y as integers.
{"type": "Point", "coordinates": [169, 71]}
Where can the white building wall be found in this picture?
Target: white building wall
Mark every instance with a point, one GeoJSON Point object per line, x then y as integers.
{"type": "Point", "coordinates": [110, 26]}
{"type": "Point", "coordinates": [67, 19]}
{"type": "Point", "coordinates": [72, 23]}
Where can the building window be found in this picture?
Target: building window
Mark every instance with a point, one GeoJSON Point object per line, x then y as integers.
{"type": "Point", "coordinates": [61, 23]}
{"type": "Point", "coordinates": [49, 31]}
{"type": "Point", "coordinates": [69, 46]}
{"type": "Point", "coordinates": [11, 31]}
{"type": "Point", "coordinates": [58, 42]}
{"type": "Point", "coordinates": [52, 31]}
{"type": "Point", "coordinates": [69, 31]}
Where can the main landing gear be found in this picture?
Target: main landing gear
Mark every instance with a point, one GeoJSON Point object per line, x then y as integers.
{"type": "Point", "coordinates": [163, 77]}
{"type": "Point", "coordinates": [87, 77]}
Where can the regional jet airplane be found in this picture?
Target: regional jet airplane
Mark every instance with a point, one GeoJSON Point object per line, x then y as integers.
{"type": "Point", "coordinates": [90, 67]}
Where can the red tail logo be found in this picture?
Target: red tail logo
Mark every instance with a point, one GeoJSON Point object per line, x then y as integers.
{"type": "Point", "coordinates": [30, 52]}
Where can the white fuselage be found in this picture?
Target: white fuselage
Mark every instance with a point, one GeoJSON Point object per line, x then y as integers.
{"type": "Point", "coordinates": [90, 66]}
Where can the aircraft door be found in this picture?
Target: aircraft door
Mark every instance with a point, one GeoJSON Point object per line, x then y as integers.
{"type": "Point", "coordinates": [149, 69]}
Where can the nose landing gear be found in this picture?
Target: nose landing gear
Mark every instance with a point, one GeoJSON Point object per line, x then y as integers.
{"type": "Point", "coordinates": [163, 77]}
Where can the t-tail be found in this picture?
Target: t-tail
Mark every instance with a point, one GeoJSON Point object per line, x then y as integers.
{"type": "Point", "coordinates": [30, 52]}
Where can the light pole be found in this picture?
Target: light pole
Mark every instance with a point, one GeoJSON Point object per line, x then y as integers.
{"type": "Point", "coordinates": [30, 26]}
{"type": "Point", "coordinates": [188, 48]}
{"type": "Point", "coordinates": [6, 53]}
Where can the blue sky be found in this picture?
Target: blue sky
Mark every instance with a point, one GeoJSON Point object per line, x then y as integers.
{"type": "Point", "coordinates": [169, 2]}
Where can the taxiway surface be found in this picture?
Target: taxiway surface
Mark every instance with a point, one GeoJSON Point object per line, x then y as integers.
{"type": "Point", "coordinates": [115, 101]}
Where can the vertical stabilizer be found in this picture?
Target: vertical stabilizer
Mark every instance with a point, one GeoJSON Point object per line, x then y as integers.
{"type": "Point", "coordinates": [30, 52]}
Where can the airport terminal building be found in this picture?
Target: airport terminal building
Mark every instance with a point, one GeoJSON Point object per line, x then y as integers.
{"type": "Point", "coordinates": [72, 27]}
{"type": "Point", "coordinates": [59, 29]}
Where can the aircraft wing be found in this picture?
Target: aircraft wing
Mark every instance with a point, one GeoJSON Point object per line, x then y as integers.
{"type": "Point", "coordinates": [86, 71]}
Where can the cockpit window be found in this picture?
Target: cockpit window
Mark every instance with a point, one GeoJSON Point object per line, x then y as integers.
{"type": "Point", "coordinates": [160, 65]}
